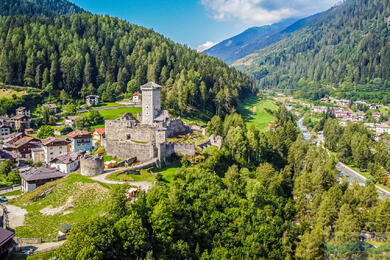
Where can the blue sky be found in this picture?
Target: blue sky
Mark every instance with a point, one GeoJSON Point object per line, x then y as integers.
{"type": "Point", "coordinates": [196, 22]}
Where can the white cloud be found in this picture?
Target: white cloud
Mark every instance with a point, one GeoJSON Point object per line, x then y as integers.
{"type": "Point", "coordinates": [262, 12]}
{"type": "Point", "coordinates": [205, 46]}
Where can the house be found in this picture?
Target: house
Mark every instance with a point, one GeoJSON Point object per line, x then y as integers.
{"type": "Point", "coordinates": [23, 111]}
{"type": "Point", "coordinates": [97, 136]}
{"type": "Point", "coordinates": [52, 108]}
{"type": "Point", "coordinates": [21, 122]}
{"type": "Point", "coordinates": [66, 163]}
{"type": "Point", "coordinates": [376, 115]}
{"type": "Point", "coordinates": [11, 138]}
{"type": "Point", "coordinates": [69, 121]}
{"type": "Point", "coordinates": [320, 109]}
{"type": "Point", "coordinates": [92, 100]}
{"type": "Point", "coordinates": [6, 243]}
{"type": "Point", "coordinates": [5, 120]}
{"type": "Point", "coordinates": [4, 130]}
{"type": "Point", "coordinates": [325, 99]}
{"type": "Point", "coordinates": [33, 178]}
{"type": "Point", "coordinates": [22, 147]}
{"type": "Point", "coordinates": [37, 155]}
{"type": "Point", "coordinates": [383, 129]}
{"type": "Point", "coordinates": [137, 97]}
{"type": "Point", "coordinates": [54, 147]}
{"type": "Point", "coordinates": [6, 155]}
{"type": "Point", "coordinates": [373, 107]}
{"type": "Point", "coordinates": [80, 141]}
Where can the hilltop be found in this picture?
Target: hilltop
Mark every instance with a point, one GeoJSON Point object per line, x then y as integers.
{"type": "Point", "coordinates": [69, 57]}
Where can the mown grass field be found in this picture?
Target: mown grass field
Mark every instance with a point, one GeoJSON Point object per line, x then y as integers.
{"type": "Point", "coordinates": [167, 174]}
{"type": "Point", "coordinates": [84, 199]}
{"type": "Point", "coordinates": [261, 117]}
{"type": "Point", "coordinates": [116, 113]}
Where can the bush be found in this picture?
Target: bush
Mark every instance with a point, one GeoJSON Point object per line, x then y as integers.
{"type": "Point", "coordinates": [45, 131]}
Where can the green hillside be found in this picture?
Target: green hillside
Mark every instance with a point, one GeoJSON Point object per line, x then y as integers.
{"type": "Point", "coordinates": [346, 48]}
{"type": "Point", "coordinates": [69, 57]}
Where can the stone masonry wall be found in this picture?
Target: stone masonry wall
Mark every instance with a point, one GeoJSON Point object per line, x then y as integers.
{"type": "Point", "coordinates": [180, 148]}
{"type": "Point", "coordinates": [91, 165]}
{"type": "Point", "coordinates": [120, 131]}
{"type": "Point", "coordinates": [127, 149]}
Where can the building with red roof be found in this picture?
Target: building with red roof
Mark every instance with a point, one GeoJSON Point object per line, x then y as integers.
{"type": "Point", "coordinates": [80, 141]}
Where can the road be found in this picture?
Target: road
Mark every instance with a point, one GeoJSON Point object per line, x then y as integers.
{"type": "Point", "coordinates": [10, 189]}
{"type": "Point", "coordinates": [351, 174]}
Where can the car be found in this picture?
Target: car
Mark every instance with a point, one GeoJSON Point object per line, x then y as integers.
{"type": "Point", "coordinates": [3, 199]}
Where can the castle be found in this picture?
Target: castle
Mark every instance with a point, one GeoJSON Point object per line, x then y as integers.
{"type": "Point", "coordinates": [145, 137]}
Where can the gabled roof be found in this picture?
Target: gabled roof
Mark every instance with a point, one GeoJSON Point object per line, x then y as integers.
{"type": "Point", "coordinates": [18, 117]}
{"type": "Point", "coordinates": [41, 174]}
{"type": "Point", "coordinates": [5, 236]}
{"type": "Point", "coordinates": [20, 109]}
{"type": "Point", "coordinates": [150, 85]}
{"type": "Point", "coordinates": [22, 141]}
{"type": "Point", "coordinates": [92, 96]}
{"type": "Point", "coordinates": [67, 158]}
{"type": "Point", "coordinates": [127, 116]}
{"type": "Point", "coordinates": [53, 141]}
{"type": "Point", "coordinates": [79, 133]}
{"type": "Point", "coordinates": [100, 131]}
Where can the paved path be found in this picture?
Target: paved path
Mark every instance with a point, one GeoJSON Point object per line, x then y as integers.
{"type": "Point", "coordinates": [145, 185]}
{"type": "Point", "coordinates": [10, 189]}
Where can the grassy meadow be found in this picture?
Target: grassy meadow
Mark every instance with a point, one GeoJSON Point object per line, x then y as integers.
{"type": "Point", "coordinates": [253, 111]}
{"type": "Point", "coordinates": [116, 113]}
{"type": "Point", "coordinates": [74, 199]}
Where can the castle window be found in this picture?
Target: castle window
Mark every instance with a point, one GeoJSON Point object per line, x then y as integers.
{"type": "Point", "coordinates": [128, 137]}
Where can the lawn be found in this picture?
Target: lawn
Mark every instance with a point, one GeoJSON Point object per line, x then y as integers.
{"type": "Point", "coordinates": [7, 93]}
{"type": "Point", "coordinates": [143, 176]}
{"type": "Point", "coordinates": [108, 158]}
{"type": "Point", "coordinates": [73, 200]}
{"type": "Point", "coordinates": [12, 193]}
{"type": "Point", "coordinates": [110, 104]}
{"type": "Point", "coordinates": [116, 113]}
{"type": "Point", "coordinates": [261, 117]}
{"type": "Point", "coordinates": [167, 172]}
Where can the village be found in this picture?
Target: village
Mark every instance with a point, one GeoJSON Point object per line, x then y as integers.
{"type": "Point", "coordinates": [373, 116]}
{"type": "Point", "coordinates": [117, 153]}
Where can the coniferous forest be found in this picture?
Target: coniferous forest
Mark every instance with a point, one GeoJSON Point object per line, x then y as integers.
{"type": "Point", "coordinates": [87, 54]}
{"type": "Point", "coordinates": [346, 48]}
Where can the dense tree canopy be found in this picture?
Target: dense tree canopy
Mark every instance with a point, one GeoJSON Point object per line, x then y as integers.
{"type": "Point", "coordinates": [346, 47]}
{"type": "Point", "coordinates": [90, 54]}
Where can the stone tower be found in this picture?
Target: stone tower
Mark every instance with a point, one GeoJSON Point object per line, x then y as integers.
{"type": "Point", "coordinates": [151, 102]}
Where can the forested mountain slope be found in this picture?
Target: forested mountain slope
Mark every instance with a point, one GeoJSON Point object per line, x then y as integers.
{"type": "Point", "coordinates": [348, 44]}
{"type": "Point", "coordinates": [90, 54]}
{"type": "Point", "coordinates": [38, 7]}
{"type": "Point", "coordinates": [256, 38]}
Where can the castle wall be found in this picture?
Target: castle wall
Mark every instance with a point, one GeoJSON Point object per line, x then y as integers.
{"type": "Point", "coordinates": [180, 148]}
{"type": "Point", "coordinates": [127, 149]}
{"type": "Point", "coordinates": [121, 130]}
{"type": "Point", "coordinates": [91, 165]}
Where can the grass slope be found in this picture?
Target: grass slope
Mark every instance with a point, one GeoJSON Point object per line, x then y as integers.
{"type": "Point", "coordinates": [116, 113]}
{"type": "Point", "coordinates": [88, 199]}
{"type": "Point", "coordinates": [261, 118]}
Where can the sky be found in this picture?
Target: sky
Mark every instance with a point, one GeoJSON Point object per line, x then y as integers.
{"type": "Point", "coordinates": [202, 23]}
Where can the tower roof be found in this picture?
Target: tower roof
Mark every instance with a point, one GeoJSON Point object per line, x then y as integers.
{"type": "Point", "coordinates": [150, 85]}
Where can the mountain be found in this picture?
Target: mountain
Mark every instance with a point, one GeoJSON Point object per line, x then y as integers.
{"type": "Point", "coordinates": [255, 38]}
{"type": "Point", "coordinates": [49, 8]}
{"type": "Point", "coordinates": [346, 48]}
{"type": "Point", "coordinates": [69, 57]}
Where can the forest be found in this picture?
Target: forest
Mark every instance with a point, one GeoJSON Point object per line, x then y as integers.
{"type": "Point", "coordinates": [89, 54]}
{"type": "Point", "coordinates": [346, 48]}
{"type": "Point", "coordinates": [263, 195]}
